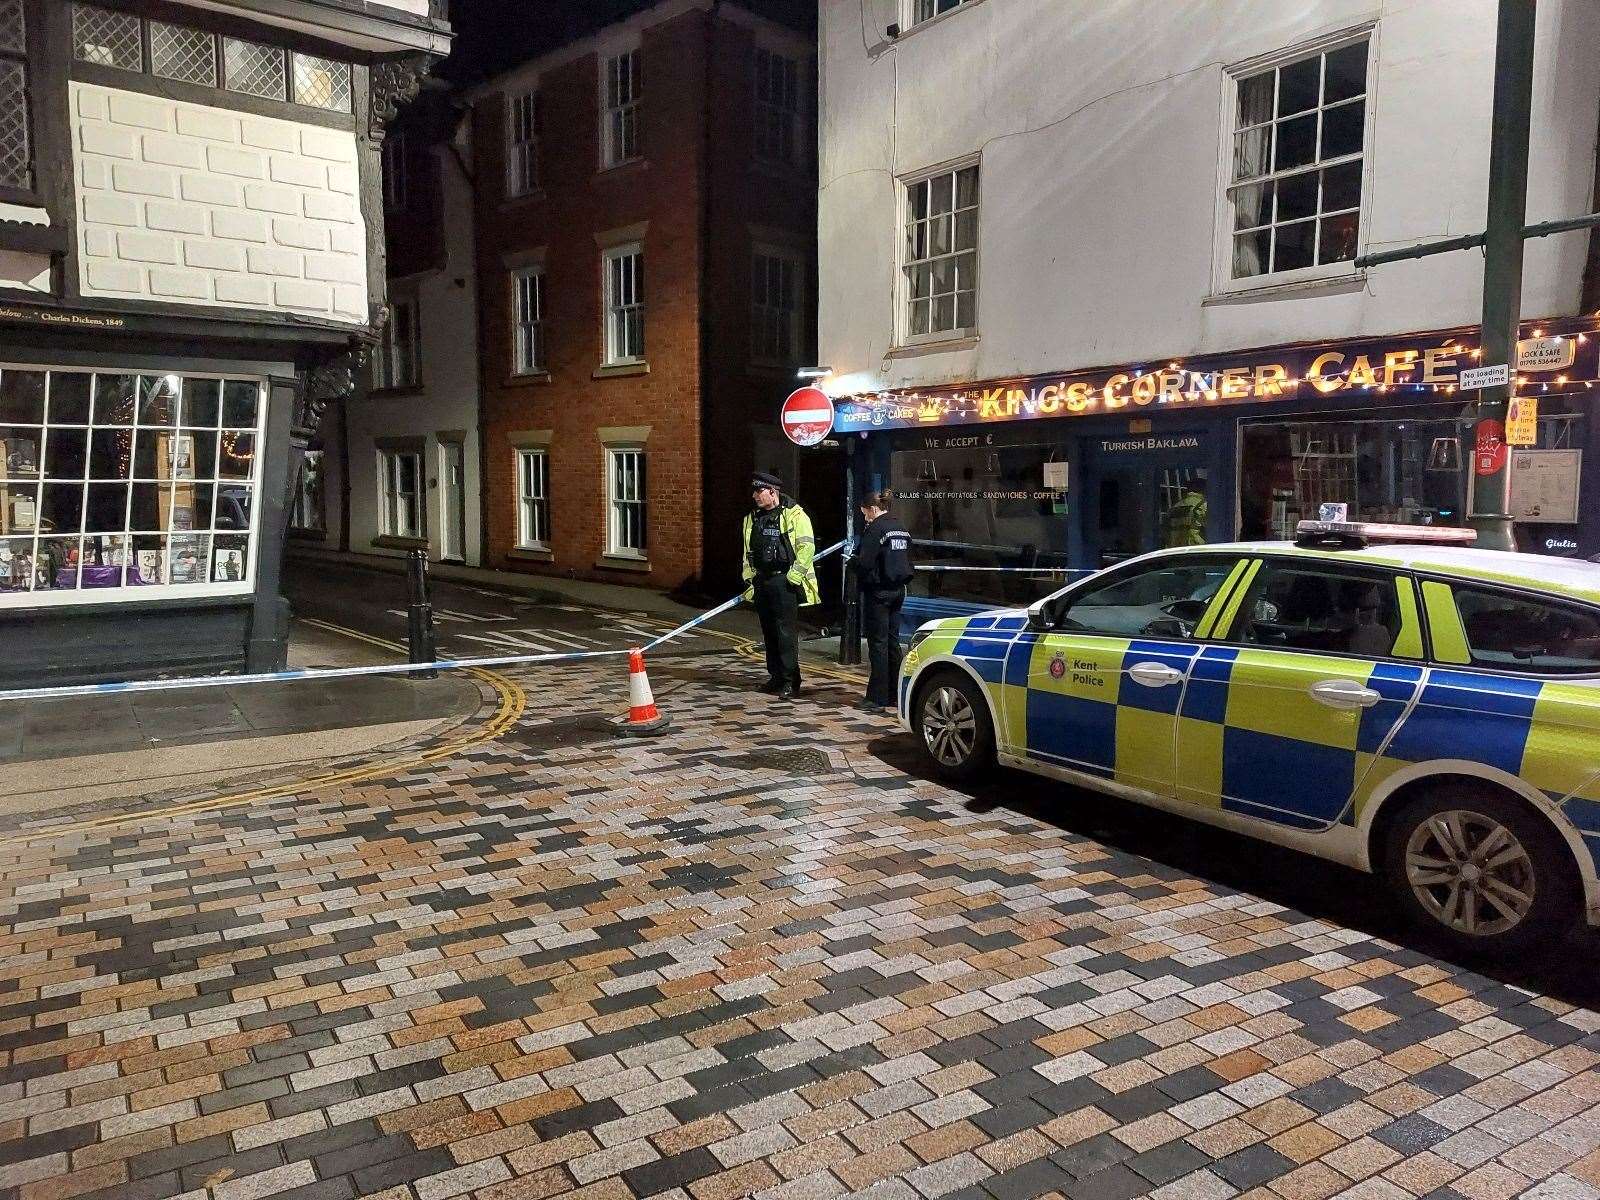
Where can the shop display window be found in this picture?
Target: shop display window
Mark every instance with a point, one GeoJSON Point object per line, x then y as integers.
{"type": "Point", "coordinates": [972, 509]}
{"type": "Point", "coordinates": [1408, 470]}
{"type": "Point", "coordinates": [125, 485]}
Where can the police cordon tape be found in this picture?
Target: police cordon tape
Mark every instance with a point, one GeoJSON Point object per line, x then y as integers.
{"type": "Point", "coordinates": [308, 673]}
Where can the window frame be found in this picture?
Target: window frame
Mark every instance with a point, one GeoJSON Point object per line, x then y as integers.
{"type": "Point", "coordinates": [300, 504]}
{"type": "Point", "coordinates": [794, 119]}
{"type": "Point", "coordinates": [612, 155]}
{"type": "Point", "coordinates": [24, 60]}
{"type": "Point", "coordinates": [1223, 282]}
{"type": "Point", "coordinates": [910, 18]}
{"type": "Point", "coordinates": [389, 360]}
{"type": "Point", "coordinates": [796, 317]}
{"type": "Point", "coordinates": [1512, 592]}
{"type": "Point", "coordinates": [389, 492]}
{"type": "Point", "coordinates": [287, 53]}
{"type": "Point", "coordinates": [161, 592]}
{"type": "Point", "coordinates": [534, 362]}
{"type": "Point", "coordinates": [1053, 607]}
{"type": "Point", "coordinates": [1395, 577]}
{"type": "Point", "coordinates": [522, 153]}
{"type": "Point", "coordinates": [396, 172]}
{"type": "Point", "coordinates": [533, 507]}
{"type": "Point", "coordinates": [615, 504]}
{"type": "Point", "coordinates": [903, 298]}
{"type": "Point", "coordinates": [610, 308]}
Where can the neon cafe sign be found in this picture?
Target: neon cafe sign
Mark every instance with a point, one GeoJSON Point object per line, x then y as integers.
{"type": "Point", "coordinates": [1407, 368]}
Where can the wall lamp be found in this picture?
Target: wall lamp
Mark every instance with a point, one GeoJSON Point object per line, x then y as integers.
{"type": "Point", "coordinates": [814, 372]}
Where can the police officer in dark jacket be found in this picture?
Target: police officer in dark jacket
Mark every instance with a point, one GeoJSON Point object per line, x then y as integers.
{"type": "Point", "coordinates": [883, 568]}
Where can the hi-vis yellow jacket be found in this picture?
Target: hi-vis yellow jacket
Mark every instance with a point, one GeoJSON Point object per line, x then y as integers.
{"type": "Point", "coordinates": [796, 526]}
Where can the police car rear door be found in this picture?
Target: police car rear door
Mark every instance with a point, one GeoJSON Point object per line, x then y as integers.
{"type": "Point", "coordinates": [1316, 664]}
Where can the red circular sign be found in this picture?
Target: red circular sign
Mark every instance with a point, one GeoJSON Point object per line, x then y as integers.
{"type": "Point", "coordinates": [807, 416]}
{"type": "Point", "coordinates": [1489, 455]}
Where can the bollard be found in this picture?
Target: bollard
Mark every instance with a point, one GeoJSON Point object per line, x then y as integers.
{"type": "Point", "coordinates": [850, 635]}
{"type": "Point", "coordinates": [419, 613]}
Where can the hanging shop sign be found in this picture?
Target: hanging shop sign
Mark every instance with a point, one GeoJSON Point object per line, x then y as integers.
{"type": "Point", "coordinates": [1408, 368]}
{"type": "Point", "coordinates": [1546, 353]}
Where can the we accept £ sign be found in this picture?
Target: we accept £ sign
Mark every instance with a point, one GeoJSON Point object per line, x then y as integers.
{"type": "Point", "coordinates": [1410, 369]}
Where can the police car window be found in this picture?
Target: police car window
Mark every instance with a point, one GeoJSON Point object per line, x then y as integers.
{"type": "Point", "coordinates": [1165, 602]}
{"type": "Point", "coordinates": [1528, 635]}
{"type": "Point", "coordinates": [1320, 608]}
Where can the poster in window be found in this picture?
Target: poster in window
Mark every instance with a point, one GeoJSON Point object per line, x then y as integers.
{"type": "Point", "coordinates": [183, 458]}
{"type": "Point", "coordinates": [228, 566]}
{"type": "Point", "coordinates": [1544, 486]}
{"type": "Point", "coordinates": [21, 456]}
{"type": "Point", "coordinates": [186, 561]}
{"type": "Point", "coordinates": [149, 566]}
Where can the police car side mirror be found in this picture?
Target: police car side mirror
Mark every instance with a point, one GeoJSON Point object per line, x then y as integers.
{"type": "Point", "coordinates": [1038, 618]}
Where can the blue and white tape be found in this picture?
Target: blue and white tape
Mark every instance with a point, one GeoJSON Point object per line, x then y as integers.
{"type": "Point", "coordinates": [305, 674]}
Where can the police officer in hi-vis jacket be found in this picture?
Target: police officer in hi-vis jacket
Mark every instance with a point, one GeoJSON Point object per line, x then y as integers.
{"type": "Point", "coordinates": [780, 576]}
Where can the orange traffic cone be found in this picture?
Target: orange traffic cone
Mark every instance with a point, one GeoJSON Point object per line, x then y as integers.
{"type": "Point", "coordinates": [644, 718]}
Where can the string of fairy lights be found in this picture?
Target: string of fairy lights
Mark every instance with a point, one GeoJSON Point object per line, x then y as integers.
{"type": "Point", "coordinates": [1197, 385]}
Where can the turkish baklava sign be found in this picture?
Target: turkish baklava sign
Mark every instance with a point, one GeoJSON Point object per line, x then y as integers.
{"type": "Point", "coordinates": [1398, 370]}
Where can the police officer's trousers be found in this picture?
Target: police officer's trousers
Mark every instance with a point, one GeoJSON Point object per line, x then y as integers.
{"type": "Point", "coordinates": [778, 605]}
{"type": "Point", "coordinates": [880, 618]}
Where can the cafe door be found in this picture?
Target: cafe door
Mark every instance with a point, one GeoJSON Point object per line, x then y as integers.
{"type": "Point", "coordinates": [1131, 487]}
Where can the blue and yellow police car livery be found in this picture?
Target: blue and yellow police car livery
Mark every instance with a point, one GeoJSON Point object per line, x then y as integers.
{"type": "Point", "coordinates": [1385, 697]}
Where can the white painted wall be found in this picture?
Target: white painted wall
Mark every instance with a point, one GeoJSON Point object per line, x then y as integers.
{"type": "Point", "coordinates": [188, 204]}
{"type": "Point", "coordinates": [1101, 129]}
{"type": "Point", "coordinates": [448, 398]}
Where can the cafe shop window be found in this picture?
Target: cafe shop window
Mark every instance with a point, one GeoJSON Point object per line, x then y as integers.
{"type": "Point", "coordinates": [940, 255]}
{"type": "Point", "coordinates": [1406, 468]}
{"type": "Point", "coordinates": [990, 521]}
{"type": "Point", "coordinates": [1297, 158]}
{"type": "Point", "coordinates": [121, 485]}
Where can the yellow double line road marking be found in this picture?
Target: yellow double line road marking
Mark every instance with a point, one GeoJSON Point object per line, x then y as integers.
{"type": "Point", "coordinates": [512, 703]}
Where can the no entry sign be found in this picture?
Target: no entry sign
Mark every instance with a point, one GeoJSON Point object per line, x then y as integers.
{"type": "Point", "coordinates": [807, 416]}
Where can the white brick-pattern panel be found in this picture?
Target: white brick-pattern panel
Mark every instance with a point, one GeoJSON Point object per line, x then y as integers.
{"type": "Point", "coordinates": [188, 204]}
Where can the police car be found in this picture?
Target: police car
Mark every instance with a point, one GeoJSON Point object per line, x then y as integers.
{"type": "Point", "coordinates": [1384, 696]}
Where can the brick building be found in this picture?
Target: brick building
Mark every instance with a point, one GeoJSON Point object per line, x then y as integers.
{"type": "Point", "coordinates": [645, 217]}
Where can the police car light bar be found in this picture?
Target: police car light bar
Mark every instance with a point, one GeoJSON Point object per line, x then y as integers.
{"type": "Point", "coordinates": [1356, 534]}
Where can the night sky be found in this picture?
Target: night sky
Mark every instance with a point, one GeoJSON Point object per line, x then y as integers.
{"type": "Point", "coordinates": [492, 35]}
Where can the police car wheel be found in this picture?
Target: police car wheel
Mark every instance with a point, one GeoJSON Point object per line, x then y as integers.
{"type": "Point", "coordinates": [1479, 868]}
{"type": "Point", "coordinates": [952, 723]}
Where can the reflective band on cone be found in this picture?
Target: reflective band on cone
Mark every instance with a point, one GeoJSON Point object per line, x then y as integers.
{"type": "Point", "coordinates": [643, 716]}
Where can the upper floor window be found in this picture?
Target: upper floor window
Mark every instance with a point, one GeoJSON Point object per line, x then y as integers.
{"type": "Point", "coordinates": [528, 298]}
{"type": "Point", "coordinates": [624, 295]}
{"type": "Point", "coordinates": [927, 10]}
{"type": "Point", "coordinates": [399, 358]}
{"type": "Point", "coordinates": [1294, 194]}
{"type": "Point", "coordinates": [107, 38]}
{"type": "Point", "coordinates": [522, 144]}
{"type": "Point", "coordinates": [395, 183]}
{"type": "Point", "coordinates": [16, 141]}
{"type": "Point", "coordinates": [620, 134]}
{"type": "Point", "coordinates": [777, 137]}
{"type": "Point", "coordinates": [941, 254]}
{"type": "Point", "coordinates": [775, 307]}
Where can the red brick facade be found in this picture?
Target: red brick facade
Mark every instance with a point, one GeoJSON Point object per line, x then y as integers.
{"type": "Point", "coordinates": [698, 406]}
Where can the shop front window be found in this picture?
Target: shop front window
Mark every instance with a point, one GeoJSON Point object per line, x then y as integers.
{"type": "Point", "coordinates": [121, 485]}
{"type": "Point", "coordinates": [990, 521]}
{"type": "Point", "coordinates": [1408, 470]}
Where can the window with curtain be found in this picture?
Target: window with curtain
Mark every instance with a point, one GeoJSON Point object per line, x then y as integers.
{"type": "Point", "coordinates": [1299, 147]}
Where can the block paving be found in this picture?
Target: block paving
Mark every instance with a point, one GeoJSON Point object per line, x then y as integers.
{"type": "Point", "coordinates": [750, 959]}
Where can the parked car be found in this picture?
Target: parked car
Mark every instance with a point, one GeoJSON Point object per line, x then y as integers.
{"type": "Point", "coordinates": [1386, 697]}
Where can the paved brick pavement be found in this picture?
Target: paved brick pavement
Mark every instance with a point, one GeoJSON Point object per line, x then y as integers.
{"type": "Point", "coordinates": [738, 961]}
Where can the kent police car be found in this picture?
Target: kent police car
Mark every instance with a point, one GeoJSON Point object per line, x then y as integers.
{"type": "Point", "coordinates": [1383, 696]}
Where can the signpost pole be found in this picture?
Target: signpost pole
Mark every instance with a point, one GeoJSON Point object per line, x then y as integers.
{"type": "Point", "coordinates": [1503, 246]}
